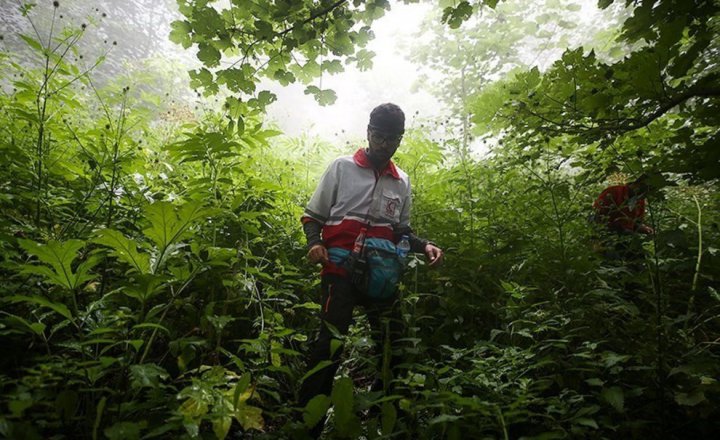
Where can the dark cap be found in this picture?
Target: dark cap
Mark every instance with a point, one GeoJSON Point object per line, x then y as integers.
{"type": "Point", "coordinates": [387, 118]}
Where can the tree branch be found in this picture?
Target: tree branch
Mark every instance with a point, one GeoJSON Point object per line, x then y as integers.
{"type": "Point", "coordinates": [704, 88]}
{"type": "Point", "coordinates": [696, 91]}
{"type": "Point", "coordinates": [312, 17]}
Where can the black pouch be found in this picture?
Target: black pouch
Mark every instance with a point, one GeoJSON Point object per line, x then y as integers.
{"type": "Point", "coordinates": [358, 270]}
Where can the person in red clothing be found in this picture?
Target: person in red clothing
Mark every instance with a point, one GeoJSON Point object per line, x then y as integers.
{"type": "Point", "coordinates": [621, 211]}
{"type": "Point", "coordinates": [622, 207]}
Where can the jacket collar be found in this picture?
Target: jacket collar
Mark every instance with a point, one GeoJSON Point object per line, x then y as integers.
{"type": "Point", "coordinates": [361, 160]}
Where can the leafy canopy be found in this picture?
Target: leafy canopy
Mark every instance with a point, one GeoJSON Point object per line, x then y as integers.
{"type": "Point", "coordinates": [284, 41]}
{"type": "Point", "coordinates": [667, 88]}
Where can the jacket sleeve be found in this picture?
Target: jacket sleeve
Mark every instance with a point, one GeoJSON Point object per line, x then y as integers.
{"type": "Point", "coordinates": [312, 231]}
{"type": "Point", "coordinates": [321, 202]}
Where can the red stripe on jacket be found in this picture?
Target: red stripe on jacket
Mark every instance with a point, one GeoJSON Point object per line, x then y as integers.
{"type": "Point", "coordinates": [343, 236]}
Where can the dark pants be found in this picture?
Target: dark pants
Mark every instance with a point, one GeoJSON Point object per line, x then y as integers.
{"type": "Point", "coordinates": [623, 247]}
{"type": "Point", "coordinates": [339, 298]}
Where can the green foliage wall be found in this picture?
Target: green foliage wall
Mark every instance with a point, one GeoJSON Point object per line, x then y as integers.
{"type": "Point", "coordinates": [135, 248]}
{"type": "Point", "coordinates": [152, 260]}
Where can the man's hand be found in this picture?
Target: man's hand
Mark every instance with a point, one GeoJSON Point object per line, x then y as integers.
{"type": "Point", "coordinates": [318, 254]}
{"type": "Point", "coordinates": [645, 229]}
{"type": "Point", "coordinates": [434, 254]}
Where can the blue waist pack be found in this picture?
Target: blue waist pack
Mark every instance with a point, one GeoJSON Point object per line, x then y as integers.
{"type": "Point", "coordinates": [379, 267]}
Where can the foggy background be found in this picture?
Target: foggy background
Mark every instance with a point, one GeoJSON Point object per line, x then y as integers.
{"type": "Point", "coordinates": [134, 36]}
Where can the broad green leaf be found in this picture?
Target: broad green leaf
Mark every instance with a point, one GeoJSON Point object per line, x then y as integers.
{"type": "Point", "coordinates": [36, 328]}
{"type": "Point", "coordinates": [323, 97]}
{"type": "Point", "coordinates": [221, 426]}
{"type": "Point", "coordinates": [151, 325]}
{"type": "Point", "coordinates": [124, 248]}
{"type": "Point", "coordinates": [346, 422]}
{"type": "Point", "coordinates": [124, 431]}
{"type": "Point", "coordinates": [275, 349]}
{"type": "Point", "coordinates": [237, 80]}
{"type": "Point", "coordinates": [147, 375]}
{"type": "Point", "coordinates": [18, 406]}
{"type": "Point", "coordinates": [364, 60]}
{"type": "Point", "coordinates": [164, 224]}
{"type": "Point", "coordinates": [310, 70]}
{"type": "Point", "coordinates": [59, 255]}
{"type": "Point", "coordinates": [332, 66]}
{"type": "Point", "coordinates": [180, 33]}
{"type": "Point", "coordinates": [320, 365]}
{"type": "Point", "coordinates": [690, 399]}
{"type": "Point", "coordinates": [44, 272]}
{"type": "Point", "coordinates": [57, 307]}
{"type": "Point", "coordinates": [33, 43]}
{"type": "Point", "coordinates": [315, 410]}
{"type": "Point", "coordinates": [82, 274]}
{"type": "Point", "coordinates": [102, 331]}
{"type": "Point", "coordinates": [99, 410]}
{"type": "Point", "coordinates": [168, 227]}
{"type": "Point", "coordinates": [220, 321]}
{"type": "Point", "coordinates": [284, 77]}
{"type": "Point", "coordinates": [596, 382]}
{"type": "Point", "coordinates": [454, 16]}
{"type": "Point", "coordinates": [143, 287]}
{"type": "Point", "coordinates": [389, 417]}
{"type": "Point", "coordinates": [584, 421]}
{"type": "Point", "coordinates": [192, 428]}
{"type": "Point", "coordinates": [203, 78]}
{"type": "Point", "coordinates": [264, 29]}
{"type": "Point", "coordinates": [136, 344]}
{"type": "Point", "coordinates": [249, 417]}
{"type": "Point", "coordinates": [615, 397]}
{"type": "Point", "coordinates": [611, 358]}
{"type": "Point", "coordinates": [444, 418]}
{"type": "Point", "coordinates": [263, 99]}
{"type": "Point", "coordinates": [239, 391]}
{"type": "Point", "coordinates": [193, 408]}
{"type": "Point", "coordinates": [714, 293]}
{"type": "Point", "coordinates": [206, 19]}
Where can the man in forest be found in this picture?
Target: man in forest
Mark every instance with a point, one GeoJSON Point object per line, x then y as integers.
{"type": "Point", "coordinates": [621, 211]}
{"type": "Point", "coordinates": [363, 196]}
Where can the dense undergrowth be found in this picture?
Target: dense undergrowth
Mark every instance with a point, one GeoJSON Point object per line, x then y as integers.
{"type": "Point", "coordinates": [154, 282]}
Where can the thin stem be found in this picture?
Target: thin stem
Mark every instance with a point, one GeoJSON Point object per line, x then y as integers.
{"type": "Point", "coordinates": [503, 424]}
{"type": "Point", "coordinates": [52, 28]}
{"type": "Point", "coordinates": [700, 244]}
{"type": "Point", "coordinates": [659, 311]}
{"type": "Point", "coordinates": [558, 222]}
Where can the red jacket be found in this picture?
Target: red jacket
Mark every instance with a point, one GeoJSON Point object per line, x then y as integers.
{"type": "Point", "coordinates": [618, 210]}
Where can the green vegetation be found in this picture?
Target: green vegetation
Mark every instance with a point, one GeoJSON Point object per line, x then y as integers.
{"type": "Point", "coordinates": [152, 260]}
